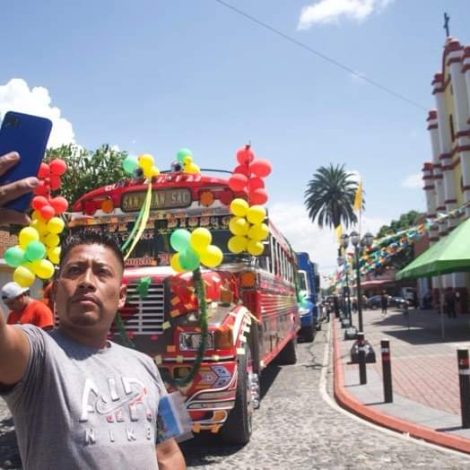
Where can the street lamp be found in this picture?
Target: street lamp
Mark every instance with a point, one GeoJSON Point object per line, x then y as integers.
{"type": "Point", "coordinates": [342, 261]}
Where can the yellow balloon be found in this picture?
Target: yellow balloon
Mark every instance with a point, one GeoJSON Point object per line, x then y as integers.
{"type": "Point", "coordinates": [54, 254]}
{"type": "Point", "coordinates": [200, 239]}
{"type": "Point", "coordinates": [238, 226]}
{"type": "Point", "coordinates": [40, 225]}
{"type": "Point", "coordinates": [55, 225]}
{"type": "Point", "coordinates": [43, 268]}
{"type": "Point", "coordinates": [212, 256]}
{"type": "Point", "coordinates": [51, 240]}
{"type": "Point", "coordinates": [23, 276]}
{"type": "Point", "coordinates": [145, 161]}
{"type": "Point", "coordinates": [258, 232]}
{"type": "Point", "coordinates": [256, 214]}
{"type": "Point", "coordinates": [239, 207]}
{"type": "Point", "coordinates": [191, 168]}
{"type": "Point", "coordinates": [188, 159]}
{"type": "Point", "coordinates": [237, 244]}
{"type": "Point", "coordinates": [148, 172]}
{"type": "Point", "coordinates": [255, 248]}
{"type": "Point", "coordinates": [175, 263]}
{"type": "Point", "coordinates": [26, 235]}
{"type": "Point", "coordinates": [155, 171]}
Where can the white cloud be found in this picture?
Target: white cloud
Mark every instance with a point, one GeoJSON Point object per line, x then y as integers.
{"type": "Point", "coordinates": [331, 11]}
{"type": "Point", "coordinates": [16, 95]}
{"type": "Point", "coordinates": [413, 181]}
{"type": "Point", "coordinates": [292, 220]}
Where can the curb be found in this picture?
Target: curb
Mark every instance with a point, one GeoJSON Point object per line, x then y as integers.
{"type": "Point", "coordinates": [350, 403]}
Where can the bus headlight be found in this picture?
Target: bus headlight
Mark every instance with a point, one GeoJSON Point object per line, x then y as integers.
{"type": "Point", "coordinates": [191, 341]}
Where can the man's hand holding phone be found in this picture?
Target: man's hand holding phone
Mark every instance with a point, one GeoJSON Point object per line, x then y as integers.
{"type": "Point", "coordinates": [11, 191]}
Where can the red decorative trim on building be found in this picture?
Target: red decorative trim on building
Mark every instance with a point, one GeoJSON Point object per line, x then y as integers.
{"type": "Point", "coordinates": [463, 133]}
{"type": "Point", "coordinates": [428, 188]}
{"type": "Point", "coordinates": [466, 187]}
{"type": "Point", "coordinates": [444, 156]}
{"type": "Point", "coordinates": [450, 201]}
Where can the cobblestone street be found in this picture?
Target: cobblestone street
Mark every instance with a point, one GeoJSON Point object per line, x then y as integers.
{"type": "Point", "coordinates": [298, 427]}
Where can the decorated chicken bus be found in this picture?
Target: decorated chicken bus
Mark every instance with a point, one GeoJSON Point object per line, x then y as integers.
{"type": "Point", "coordinates": [211, 320]}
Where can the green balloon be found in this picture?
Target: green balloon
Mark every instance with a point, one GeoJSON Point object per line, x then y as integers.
{"type": "Point", "coordinates": [130, 165]}
{"type": "Point", "coordinates": [14, 256]}
{"type": "Point", "coordinates": [179, 239]}
{"type": "Point", "coordinates": [183, 153]}
{"type": "Point", "coordinates": [35, 251]}
{"type": "Point", "coordinates": [189, 260]}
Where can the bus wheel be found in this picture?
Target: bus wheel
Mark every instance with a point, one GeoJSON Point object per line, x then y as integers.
{"type": "Point", "coordinates": [308, 333]}
{"type": "Point", "coordinates": [288, 355]}
{"type": "Point", "coordinates": [238, 427]}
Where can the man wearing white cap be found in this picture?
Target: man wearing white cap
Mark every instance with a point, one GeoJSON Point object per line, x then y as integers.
{"type": "Point", "coordinates": [25, 310]}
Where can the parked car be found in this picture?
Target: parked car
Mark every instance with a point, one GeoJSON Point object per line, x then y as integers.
{"type": "Point", "coordinates": [393, 301]}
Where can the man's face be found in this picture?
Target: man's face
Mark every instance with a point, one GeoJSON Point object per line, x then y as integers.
{"type": "Point", "coordinates": [89, 291]}
{"type": "Point", "coordinates": [16, 304]}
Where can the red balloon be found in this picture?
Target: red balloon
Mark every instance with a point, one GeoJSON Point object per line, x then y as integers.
{"type": "Point", "coordinates": [55, 182]}
{"type": "Point", "coordinates": [258, 197]}
{"type": "Point", "coordinates": [245, 155]}
{"type": "Point", "coordinates": [237, 182]}
{"type": "Point", "coordinates": [38, 202]}
{"type": "Point", "coordinates": [261, 168]}
{"type": "Point", "coordinates": [47, 212]}
{"type": "Point", "coordinates": [242, 169]}
{"type": "Point", "coordinates": [43, 171]}
{"type": "Point", "coordinates": [255, 183]}
{"type": "Point", "coordinates": [60, 204]}
{"type": "Point", "coordinates": [41, 189]}
{"type": "Point", "coordinates": [58, 167]}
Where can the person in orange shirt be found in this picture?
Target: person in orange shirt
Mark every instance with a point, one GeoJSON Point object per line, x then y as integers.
{"type": "Point", "coordinates": [24, 309]}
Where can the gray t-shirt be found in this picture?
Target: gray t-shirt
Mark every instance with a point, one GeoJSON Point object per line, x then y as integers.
{"type": "Point", "coordinates": [83, 408]}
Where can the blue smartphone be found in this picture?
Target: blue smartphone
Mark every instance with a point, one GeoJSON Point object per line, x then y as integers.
{"type": "Point", "coordinates": [27, 135]}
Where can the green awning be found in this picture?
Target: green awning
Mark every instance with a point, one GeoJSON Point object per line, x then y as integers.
{"type": "Point", "coordinates": [449, 255]}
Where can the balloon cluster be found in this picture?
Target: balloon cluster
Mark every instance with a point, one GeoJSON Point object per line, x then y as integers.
{"type": "Point", "coordinates": [247, 227]}
{"type": "Point", "coordinates": [38, 247]}
{"type": "Point", "coordinates": [248, 176]}
{"type": "Point", "coordinates": [142, 165]}
{"type": "Point", "coordinates": [193, 249]}
{"type": "Point", "coordinates": [185, 158]}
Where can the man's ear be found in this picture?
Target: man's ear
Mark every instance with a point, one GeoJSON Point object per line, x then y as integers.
{"type": "Point", "coordinates": [122, 295]}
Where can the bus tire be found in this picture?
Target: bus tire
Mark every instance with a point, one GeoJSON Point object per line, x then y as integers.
{"type": "Point", "coordinates": [238, 427]}
{"type": "Point", "coordinates": [308, 333]}
{"type": "Point", "coordinates": [288, 355]}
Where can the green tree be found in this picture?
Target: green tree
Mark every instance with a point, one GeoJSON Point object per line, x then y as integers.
{"type": "Point", "coordinates": [329, 197]}
{"type": "Point", "coordinates": [87, 170]}
{"type": "Point", "coordinates": [407, 220]}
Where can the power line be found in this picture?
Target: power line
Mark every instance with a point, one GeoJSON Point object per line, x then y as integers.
{"type": "Point", "coordinates": [321, 55]}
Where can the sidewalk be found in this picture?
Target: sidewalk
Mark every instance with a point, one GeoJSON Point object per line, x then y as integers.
{"type": "Point", "coordinates": [426, 396]}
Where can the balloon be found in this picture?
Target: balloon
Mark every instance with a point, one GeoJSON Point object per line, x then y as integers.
{"type": "Point", "coordinates": [145, 161]}
{"type": "Point", "coordinates": [27, 235]}
{"type": "Point", "coordinates": [52, 240]}
{"type": "Point", "coordinates": [200, 239]}
{"type": "Point", "coordinates": [255, 247]}
{"type": "Point", "coordinates": [54, 254]}
{"type": "Point", "coordinates": [43, 171]}
{"type": "Point", "coordinates": [35, 251]}
{"type": "Point", "coordinates": [258, 196]}
{"type": "Point", "coordinates": [47, 212]}
{"type": "Point", "coordinates": [261, 168]}
{"type": "Point", "coordinates": [237, 182]}
{"type": "Point", "coordinates": [129, 164]}
{"type": "Point", "coordinates": [155, 171]}
{"type": "Point", "coordinates": [38, 202]}
{"type": "Point", "coordinates": [187, 160]}
{"type": "Point", "coordinates": [242, 169]}
{"type": "Point", "coordinates": [60, 204]}
{"type": "Point", "coordinates": [179, 239]}
{"type": "Point", "coordinates": [256, 214]}
{"type": "Point", "coordinates": [238, 226]}
{"type": "Point", "coordinates": [192, 169]}
{"type": "Point", "coordinates": [148, 171]}
{"type": "Point", "coordinates": [212, 256]}
{"type": "Point", "coordinates": [54, 182]}
{"type": "Point", "coordinates": [43, 268]}
{"type": "Point", "coordinates": [57, 167]}
{"type": "Point", "coordinates": [237, 244]}
{"type": "Point", "coordinates": [41, 189]}
{"type": "Point", "coordinates": [40, 225]}
{"type": "Point", "coordinates": [14, 256]}
{"type": "Point", "coordinates": [245, 155]}
{"type": "Point", "coordinates": [175, 263]}
{"type": "Point", "coordinates": [23, 276]}
{"type": "Point", "coordinates": [255, 183]}
{"type": "Point", "coordinates": [183, 153]}
{"type": "Point", "coordinates": [55, 225]}
{"type": "Point", "coordinates": [189, 259]}
{"type": "Point", "coordinates": [239, 207]}
{"type": "Point", "coordinates": [258, 232]}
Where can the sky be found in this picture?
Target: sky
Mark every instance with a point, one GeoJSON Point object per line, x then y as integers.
{"type": "Point", "coordinates": [153, 76]}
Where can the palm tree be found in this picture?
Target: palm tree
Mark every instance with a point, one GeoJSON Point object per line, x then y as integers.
{"type": "Point", "coordinates": [329, 197]}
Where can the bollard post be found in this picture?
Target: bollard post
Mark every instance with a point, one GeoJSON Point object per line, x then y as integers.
{"type": "Point", "coordinates": [464, 380]}
{"type": "Point", "coordinates": [362, 358]}
{"type": "Point", "coordinates": [387, 371]}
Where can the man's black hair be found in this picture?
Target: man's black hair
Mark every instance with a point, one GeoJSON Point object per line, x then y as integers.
{"type": "Point", "coordinates": [90, 237]}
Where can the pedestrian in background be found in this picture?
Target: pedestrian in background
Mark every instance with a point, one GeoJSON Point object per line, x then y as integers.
{"type": "Point", "coordinates": [384, 302]}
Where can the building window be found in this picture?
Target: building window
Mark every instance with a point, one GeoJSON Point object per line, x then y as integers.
{"type": "Point", "coordinates": [451, 124]}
